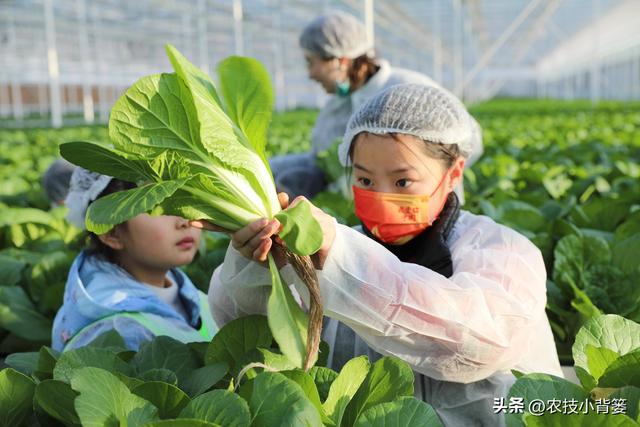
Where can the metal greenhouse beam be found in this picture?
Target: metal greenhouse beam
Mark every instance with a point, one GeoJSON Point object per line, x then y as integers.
{"type": "Point", "coordinates": [528, 40]}
{"type": "Point", "coordinates": [83, 42]}
{"type": "Point", "coordinates": [501, 40]}
{"type": "Point", "coordinates": [369, 21]}
{"type": "Point", "coordinates": [52, 62]}
{"type": "Point", "coordinates": [237, 27]}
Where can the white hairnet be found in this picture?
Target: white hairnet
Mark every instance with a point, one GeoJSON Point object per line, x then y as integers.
{"type": "Point", "coordinates": [429, 113]}
{"type": "Point", "coordinates": [336, 35]}
{"type": "Point", "coordinates": [55, 180]}
{"type": "Point", "coordinates": [84, 188]}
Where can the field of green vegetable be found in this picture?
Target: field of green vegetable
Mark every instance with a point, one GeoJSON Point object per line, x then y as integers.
{"type": "Point", "coordinates": [564, 174]}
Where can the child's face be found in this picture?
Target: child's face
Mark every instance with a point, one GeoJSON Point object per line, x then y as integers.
{"type": "Point", "coordinates": [384, 164]}
{"type": "Point", "coordinates": [157, 242]}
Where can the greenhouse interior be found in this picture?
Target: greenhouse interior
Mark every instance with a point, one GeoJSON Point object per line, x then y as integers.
{"type": "Point", "coordinates": [319, 213]}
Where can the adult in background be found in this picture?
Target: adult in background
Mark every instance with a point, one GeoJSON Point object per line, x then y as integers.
{"type": "Point", "coordinates": [342, 60]}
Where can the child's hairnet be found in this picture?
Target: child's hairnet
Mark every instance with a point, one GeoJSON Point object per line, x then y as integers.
{"type": "Point", "coordinates": [85, 187]}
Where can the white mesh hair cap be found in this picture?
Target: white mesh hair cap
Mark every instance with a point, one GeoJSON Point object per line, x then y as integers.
{"type": "Point", "coordinates": [429, 113]}
{"type": "Point", "coordinates": [84, 188]}
{"type": "Point", "coordinates": [337, 35]}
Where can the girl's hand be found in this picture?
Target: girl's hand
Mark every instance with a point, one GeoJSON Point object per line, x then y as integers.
{"type": "Point", "coordinates": [328, 225]}
{"type": "Point", "coordinates": [254, 241]}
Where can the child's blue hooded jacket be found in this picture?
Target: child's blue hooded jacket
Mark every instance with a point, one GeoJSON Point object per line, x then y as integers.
{"type": "Point", "coordinates": [99, 295]}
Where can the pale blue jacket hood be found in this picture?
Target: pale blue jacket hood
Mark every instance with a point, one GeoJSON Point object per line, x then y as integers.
{"type": "Point", "coordinates": [97, 289]}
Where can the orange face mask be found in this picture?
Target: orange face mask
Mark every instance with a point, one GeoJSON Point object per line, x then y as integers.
{"type": "Point", "coordinates": [394, 218]}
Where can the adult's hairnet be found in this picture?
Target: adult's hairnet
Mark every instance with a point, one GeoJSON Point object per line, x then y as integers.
{"type": "Point", "coordinates": [429, 113]}
{"type": "Point", "coordinates": [84, 188]}
{"type": "Point", "coordinates": [336, 35]}
{"type": "Point", "coordinates": [55, 180]}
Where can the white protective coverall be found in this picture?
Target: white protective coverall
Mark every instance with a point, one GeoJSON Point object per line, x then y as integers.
{"type": "Point", "coordinates": [461, 335]}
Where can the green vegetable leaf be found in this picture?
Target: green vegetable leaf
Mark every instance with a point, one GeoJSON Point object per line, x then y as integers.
{"type": "Point", "coordinates": [388, 379]}
{"type": "Point", "coordinates": [613, 332]}
{"type": "Point", "coordinates": [277, 400]}
{"type": "Point", "coordinates": [287, 321]}
{"type": "Point", "coordinates": [116, 208]}
{"type": "Point", "coordinates": [238, 337]}
{"type": "Point", "coordinates": [56, 398]}
{"type": "Point", "coordinates": [169, 399]}
{"type": "Point", "coordinates": [19, 316]}
{"type": "Point", "coordinates": [301, 232]}
{"type": "Point", "coordinates": [105, 400]}
{"type": "Point", "coordinates": [73, 360]}
{"type": "Point", "coordinates": [405, 411]}
{"type": "Point", "coordinates": [544, 387]}
{"type": "Point", "coordinates": [108, 161]}
{"type": "Point", "coordinates": [345, 386]}
{"type": "Point", "coordinates": [16, 397]}
{"type": "Point", "coordinates": [221, 407]}
{"type": "Point", "coordinates": [248, 98]}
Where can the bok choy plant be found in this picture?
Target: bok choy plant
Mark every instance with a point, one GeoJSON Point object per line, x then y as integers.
{"type": "Point", "coordinates": [197, 151]}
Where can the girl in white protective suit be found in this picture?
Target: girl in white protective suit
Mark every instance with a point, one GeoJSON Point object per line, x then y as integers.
{"type": "Point", "coordinates": [456, 295]}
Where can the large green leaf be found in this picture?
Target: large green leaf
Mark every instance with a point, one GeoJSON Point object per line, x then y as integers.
{"type": "Point", "coordinates": [248, 98]}
{"type": "Point", "coordinates": [162, 375]}
{"type": "Point", "coordinates": [277, 400]}
{"type": "Point", "coordinates": [57, 398]}
{"type": "Point", "coordinates": [609, 331]}
{"type": "Point", "coordinates": [73, 360]}
{"type": "Point", "coordinates": [169, 399]}
{"type": "Point", "coordinates": [631, 398]}
{"type": "Point", "coordinates": [308, 386]}
{"type": "Point", "coordinates": [388, 379]}
{"type": "Point", "coordinates": [301, 232]}
{"type": "Point", "coordinates": [287, 321]}
{"type": "Point", "coordinates": [323, 377]}
{"type": "Point", "coordinates": [153, 115]}
{"type": "Point", "coordinates": [575, 254]}
{"type": "Point", "coordinates": [116, 208]}
{"type": "Point", "coordinates": [108, 161]}
{"type": "Point", "coordinates": [105, 401]}
{"type": "Point", "coordinates": [26, 363]}
{"type": "Point", "coordinates": [624, 371]}
{"type": "Point", "coordinates": [221, 407]}
{"type": "Point", "coordinates": [598, 359]}
{"type": "Point", "coordinates": [166, 353]}
{"type": "Point", "coordinates": [15, 216]}
{"type": "Point", "coordinates": [47, 360]}
{"type": "Point", "coordinates": [345, 386]}
{"type": "Point", "coordinates": [16, 397]}
{"type": "Point", "coordinates": [541, 387]}
{"type": "Point", "coordinates": [19, 316]}
{"type": "Point", "coordinates": [222, 138]}
{"type": "Point", "coordinates": [204, 378]}
{"type": "Point", "coordinates": [209, 116]}
{"type": "Point", "coordinates": [10, 270]}
{"type": "Point", "coordinates": [238, 337]}
{"type": "Point", "coordinates": [405, 411]}
{"type": "Point", "coordinates": [625, 255]}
